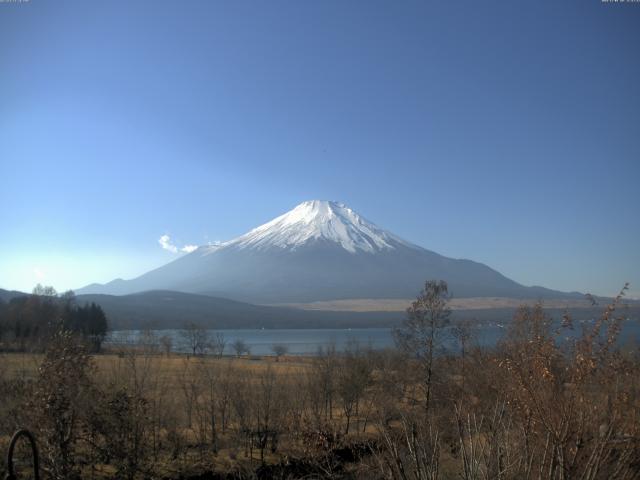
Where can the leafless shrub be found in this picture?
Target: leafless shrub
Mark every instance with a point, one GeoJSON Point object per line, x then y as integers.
{"type": "Point", "coordinates": [166, 342]}
{"type": "Point", "coordinates": [544, 404]}
{"type": "Point", "coordinates": [279, 349]}
{"type": "Point", "coordinates": [410, 450]}
{"type": "Point", "coordinates": [353, 378]}
{"type": "Point", "coordinates": [240, 347]}
{"type": "Point", "coordinates": [218, 344]}
{"type": "Point", "coordinates": [59, 405]}
{"type": "Point", "coordinates": [196, 337]}
{"type": "Point", "coordinates": [575, 407]}
{"type": "Point", "coordinates": [120, 425]}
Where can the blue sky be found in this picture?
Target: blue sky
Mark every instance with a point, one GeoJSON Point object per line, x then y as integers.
{"type": "Point", "coordinates": [505, 132]}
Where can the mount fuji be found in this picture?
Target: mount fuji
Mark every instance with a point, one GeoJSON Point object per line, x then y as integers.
{"type": "Point", "coordinates": [318, 251]}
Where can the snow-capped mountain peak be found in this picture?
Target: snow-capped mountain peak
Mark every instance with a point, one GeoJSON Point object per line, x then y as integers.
{"type": "Point", "coordinates": [318, 251]}
{"type": "Point", "coordinates": [319, 220]}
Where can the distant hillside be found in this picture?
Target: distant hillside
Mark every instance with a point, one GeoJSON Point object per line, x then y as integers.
{"type": "Point", "coordinates": [6, 295]}
{"type": "Point", "coordinates": [320, 251]}
{"type": "Point", "coordinates": [163, 309]}
{"type": "Point", "coordinates": [166, 309]}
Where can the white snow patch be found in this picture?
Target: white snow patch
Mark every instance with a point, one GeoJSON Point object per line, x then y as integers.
{"type": "Point", "coordinates": [315, 220]}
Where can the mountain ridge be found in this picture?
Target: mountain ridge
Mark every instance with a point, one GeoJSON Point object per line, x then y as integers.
{"type": "Point", "coordinates": [161, 309]}
{"type": "Point", "coordinates": [320, 250]}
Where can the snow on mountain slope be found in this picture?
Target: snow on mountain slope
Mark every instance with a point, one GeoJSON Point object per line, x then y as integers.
{"type": "Point", "coordinates": [317, 220]}
{"type": "Point", "coordinates": [319, 251]}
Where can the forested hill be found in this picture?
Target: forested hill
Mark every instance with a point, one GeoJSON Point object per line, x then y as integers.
{"type": "Point", "coordinates": [6, 295]}
{"type": "Point", "coordinates": [162, 309]}
{"type": "Point", "coordinates": [167, 309]}
{"type": "Point", "coordinates": [27, 322]}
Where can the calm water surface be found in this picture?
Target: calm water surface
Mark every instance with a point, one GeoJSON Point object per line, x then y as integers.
{"type": "Point", "coordinates": [308, 341]}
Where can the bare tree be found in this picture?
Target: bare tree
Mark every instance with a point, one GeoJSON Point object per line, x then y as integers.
{"type": "Point", "coordinates": [45, 291]}
{"type": "Point", "coordinates": [410, 451]}
{"type": "Point", "coordinates": [240, 396]}
{"type": "Point", "coordinates": [148, 341]}
{"type": "Point", "coordinates": [421, 333]}
{"type": "Point", "coordinates": [196, 337]}
{"type": "Point", "coordinates": [208, 375]}
{"type": "Point", "coordinates": [279, 349]}
{"type": "Point", "coordinates": [223, 394]}
{"type": "Point", "coordinates": [324, 367]}
{"type": "Point", "coordinates": [190, 386]}
{"type": "Point", "coordinates": [354, 376]}
{"type": "Point", "coordinates": [462, 333]}
{"type": "Point", "coordinates": [240, 347]}
{"type": "Point", "coordinates": [218, 344]}
{"type": "Point", "coordinates": [167, 344]}
{"type": "Point", "coordinates": [269, 407]}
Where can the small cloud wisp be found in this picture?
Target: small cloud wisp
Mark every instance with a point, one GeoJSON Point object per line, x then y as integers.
{"type": "Point", "coordinates": [165, 243]}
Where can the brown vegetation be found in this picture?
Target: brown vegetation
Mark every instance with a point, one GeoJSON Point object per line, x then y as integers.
{"type": "Point", "coordinates": [537, 406]}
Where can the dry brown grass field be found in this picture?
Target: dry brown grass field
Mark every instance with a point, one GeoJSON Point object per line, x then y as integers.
{"type": "Point", "coordinates": [175, 386]}
{"type": "Point", "coordinates": [529, 408]}
{"type": "Point", "coordinates": [170, 367]}
{"type": "Point", "coordinates": [400, 304]}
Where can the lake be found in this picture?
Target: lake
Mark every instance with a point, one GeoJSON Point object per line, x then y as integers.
{"type": "Point", "coordinates": [308, 341]}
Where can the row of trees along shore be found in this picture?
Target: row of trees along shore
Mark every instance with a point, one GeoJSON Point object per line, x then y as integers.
{"type": "Point", "coordinates": [540, 405]}
{"type": "Point", "coordinates": [28, 322]}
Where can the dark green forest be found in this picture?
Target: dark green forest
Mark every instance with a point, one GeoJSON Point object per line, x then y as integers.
{"type": "Point", "coordinates": [27, 322]}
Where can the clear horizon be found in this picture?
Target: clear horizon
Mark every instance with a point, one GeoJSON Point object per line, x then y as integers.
{"type": "Point", "coordinates": [502, 133]}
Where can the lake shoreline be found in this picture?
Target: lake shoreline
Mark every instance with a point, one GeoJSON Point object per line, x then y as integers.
{"type": "Point", "coordinates": [307, 342]}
